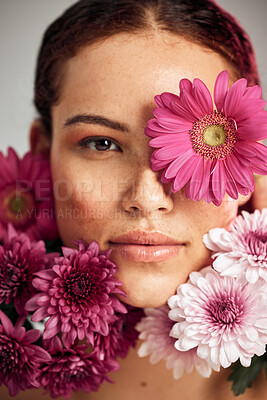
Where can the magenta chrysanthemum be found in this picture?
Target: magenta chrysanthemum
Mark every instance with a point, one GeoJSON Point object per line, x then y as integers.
{"type": "Point", "coordinates": [155, 330]}
{"type": "Point", "coordinates": [26, 196]}
{"type": "Point", "coordinates": [19, 260]}
{"type": "Point", "coordinates": [20, 358]}
{"type": "Point", "coordinates": [211, 152]}
{"type": "Point", "coordinates": [243, 249]}
{"type": "Point", "coordinates": [122, 335]}
{"type": "Point", "coordinates": [73, 369]}
{"type": "Point", "coordinates": [224, 317]}
{"type": "Point", "coordinates": [77, 294]}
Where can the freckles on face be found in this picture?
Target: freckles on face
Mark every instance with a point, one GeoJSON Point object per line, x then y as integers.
{"type": "Point", "coordinates": [99, 150]}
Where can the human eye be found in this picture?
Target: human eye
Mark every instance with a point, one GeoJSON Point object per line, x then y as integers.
{"type": "Point", "coordinates": [99, 144]}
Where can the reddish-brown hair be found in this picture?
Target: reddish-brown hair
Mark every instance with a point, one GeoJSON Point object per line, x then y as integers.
{"type": "Point", "coordinates": [90, 21]}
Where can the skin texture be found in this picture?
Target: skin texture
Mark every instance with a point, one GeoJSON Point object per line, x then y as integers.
{"type": "Point", "coordinates": [103, 194]}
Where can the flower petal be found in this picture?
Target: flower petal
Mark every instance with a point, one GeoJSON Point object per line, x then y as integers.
{"type": "Point", "coordinates": [184, 173]}
{"type": "Point", "coordinates": [245, 149]}
{"type": "Point", "coordinates": [253, 132]}
{"type": "Point", "coordinates": [174, 167]}
{"type": "Point", "coordinates": [177, 108]}
{"type": "Point", "coordinates": [168, 118]}
{"type": "Point", "coordinates": [166, 99]}
{"type": "Point", "coordinates": [233, 98]}
{"type": "Point", "coordinates": [231, 187]}
{"type": "Point", "coordinates": [220, 89]}
{"type": "Point", "coordinates": [171, 152]}
{"type": "Point", "coordinates": [218, 179]}
{"type": "Point", "coordinates": [202, 96]}
{"type": "Point", "coordinates": [185, 84]}
{"type": "Point", "coordinates": [170, 139]}
{"type": "Point", "coordinates": [191, 104]}
{"type": "Point", "coordinates": [253, 92]}
{"type": "Point", "coordinates": [241, 173]}
{"type": "Point", "coordinates": [248, 109]}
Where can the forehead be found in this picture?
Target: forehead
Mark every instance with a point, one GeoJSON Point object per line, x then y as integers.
{"type": "Point", "coordinates": [126, 71]}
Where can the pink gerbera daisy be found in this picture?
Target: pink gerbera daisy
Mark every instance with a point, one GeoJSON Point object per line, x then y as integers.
{"type": "Point", "coordinates": [70, 370]}
{"type": "Point", "coordinates": [19, 260]}
{"type": "Point", "coordinates": [155, 330]}
{"type": "Point", "coordinates": [78, 294]}
{"type": "Point", "coordinates": [243, 249]}
{"type": "Point", "coordinates": [225, 318]}
{"type": "Point", "coordinates": [26, 196]}
{"type": "Point", "coordinates": [212, 152]}
{"type": "Point", "coordinates": [20, 358]}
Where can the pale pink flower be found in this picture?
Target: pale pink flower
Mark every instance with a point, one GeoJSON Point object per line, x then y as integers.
{"type": "Point", "coordinates": [155, 330]}
{"type": "Point", "coordinates": [26, 196]}
{"type": "Point", "coordinates": [78, 294]}
{"type": "Point", "coordinates": [243, 249]}
{"type": "Point", "coordinates": [19, 260]}
{"type": "Point", "coordinates": [20, 358]}
{"type": "Point", "coordinates": [70, 370]}
{"type": "Point", "coordinates": [224, 317]}
{"type": "Point", "coordinates": [211, 152]}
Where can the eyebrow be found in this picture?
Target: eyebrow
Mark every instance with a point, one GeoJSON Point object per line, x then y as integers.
{"type": "Point", "coordinates": [93, 119]}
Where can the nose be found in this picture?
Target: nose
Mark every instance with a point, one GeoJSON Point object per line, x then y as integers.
{"type": "Point", "coordinates": [146, 194]}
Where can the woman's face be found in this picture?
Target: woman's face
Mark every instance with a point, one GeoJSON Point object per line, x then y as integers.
{"type": "Point", "coordinates": [104, 185]}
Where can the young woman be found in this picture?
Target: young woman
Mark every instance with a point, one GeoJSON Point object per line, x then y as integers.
{"type": "Point", "coordinates": [99, 68]}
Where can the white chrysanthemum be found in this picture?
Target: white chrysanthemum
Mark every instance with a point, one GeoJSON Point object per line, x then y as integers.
{"type": "Point", "coordinates": [224, 317]}
{"type": "Point", "coordinates": [154, 329]}
{"type": "Point", "coordinates": [244, 249]}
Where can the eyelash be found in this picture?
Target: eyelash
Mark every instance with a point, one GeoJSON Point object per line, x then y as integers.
{"type": "Point", "coordinates": [88, 140]}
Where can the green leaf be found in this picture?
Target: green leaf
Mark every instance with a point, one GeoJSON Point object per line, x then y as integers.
{"type": "Point", "coordinates": [243, 377]}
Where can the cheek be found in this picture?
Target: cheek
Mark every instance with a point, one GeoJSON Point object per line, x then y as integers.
{"type": "Point", "coordinates": [228, 212]}
{"type": "Point", "coordinates": [209, 216]}
{"type": "Point", "coordinates": [83, 206]}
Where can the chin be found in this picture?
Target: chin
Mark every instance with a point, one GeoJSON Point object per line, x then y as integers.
{"type": "Point", "coordinates": [146, 299]}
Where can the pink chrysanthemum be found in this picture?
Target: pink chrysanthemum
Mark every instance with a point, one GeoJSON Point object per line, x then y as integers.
{"type": "Point", "coordinates": [26, 196]}
{"type": "Point", "coordinates": [73, 369]}
{"type": "Point", "coordinates": [19, 260]}
{"type": "Point", "coordinates": [77, 294]}
{"type": "Point", "coordinates": [155, 330]}
{"type": "Point", "coordinates": [212, 152]}
{"type": "Point", "coordinates": [20, 358]}
{"type": "Point", "coordinates": [243, 249]}
{"type": "Point", "coordinates": [224, 317]}
{"type": "Point", "coordinates": [122, 335]}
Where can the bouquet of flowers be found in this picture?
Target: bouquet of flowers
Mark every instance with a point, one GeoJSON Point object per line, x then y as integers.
{"type": "Point", "coordinates": [61, 325]}
{"type": "Point", "coordinates": [219, 317]}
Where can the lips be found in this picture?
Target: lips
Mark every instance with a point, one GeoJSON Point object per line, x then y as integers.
{"type": "Point", "coordinates": [141, 246]}
{"type": "Point", "coordinates": [145, 238]}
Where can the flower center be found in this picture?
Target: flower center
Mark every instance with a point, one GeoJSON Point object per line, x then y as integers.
{"type": "Point", "coordinates": [224, 312]}
{"type": "Point", "coordinates": [214, 136]}
{"type": "Point", "coordinates": [256, 244]}
{"type": "Point", "coordinates": [16, 207]}
{"type": "Point", "coordinates": [80, 287]}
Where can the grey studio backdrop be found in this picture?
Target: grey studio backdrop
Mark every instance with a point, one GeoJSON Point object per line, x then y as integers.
{"type": "Point", "coordinates": [22, 23]}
